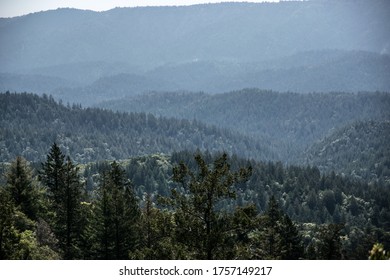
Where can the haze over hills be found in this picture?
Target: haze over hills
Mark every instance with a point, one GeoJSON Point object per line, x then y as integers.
{"type": "Point", "coordinates": [288, 46]}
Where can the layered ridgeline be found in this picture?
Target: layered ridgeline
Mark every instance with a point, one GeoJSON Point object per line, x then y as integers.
{"type": "Point", "coordinates": [316, 71]}
{"type": "Point", "coordinates": [320, 71]}
{"type": "Point", "coordinates": [29, 124]}
{"type": "Point", "coordinates": [292, 122]}
{"type": "Point", "coordinates": [86, 57]}
{"type": "Point", "coordinates": [152, 36]}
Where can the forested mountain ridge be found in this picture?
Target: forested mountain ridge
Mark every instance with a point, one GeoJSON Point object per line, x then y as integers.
{"type": "Point", "coordinates": [291, 121]}
{"type": "Point", "coordinates": [359, 150]}
{"type": "Point", "coordinates": [29, 124]}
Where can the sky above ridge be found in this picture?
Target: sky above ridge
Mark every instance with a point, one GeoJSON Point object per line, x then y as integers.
{"type": "Point", "coordinates": [12, 8]}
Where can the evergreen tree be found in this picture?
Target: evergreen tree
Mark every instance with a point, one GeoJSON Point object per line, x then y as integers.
{"type": "Point", "coordinates": [52, 174]}
{"type": "Point", "coordinates": [199, 224]}
{"type": "Point", "coordinates": [277, 237]}
{"type": "Point", "coordinates": [156, 234]}
{"type": "Point", "coordinates": [9, 236]}
{"type": "Point", "coordinates": [329, 242]}
{"type": "Point", "coordinates": [291, 240]}
{"type": "Point", "coordinates": [270, 233]}
{"type": "Point", "coordinates": [117, 215]}
{"type": "Point", "coordinates": [64, 190]}
{"type": "Point", "coordinates": [22, 188]}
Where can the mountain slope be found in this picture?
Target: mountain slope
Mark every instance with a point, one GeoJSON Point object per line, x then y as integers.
{"type": "Point", "coordinates": [30, 124]}
{"type": "Point", "coordinates": [361, 150]}
{"type": "Point", "coordinates": [290, 121]}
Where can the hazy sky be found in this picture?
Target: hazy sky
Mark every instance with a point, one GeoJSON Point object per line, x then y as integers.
{"type": "Point", "coordinates": [11, 8]}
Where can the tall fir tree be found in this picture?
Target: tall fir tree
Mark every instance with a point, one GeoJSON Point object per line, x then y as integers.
{"type": "Point", "coordinates": [64, 189]}
{"type": "Point", "coordinates": [277, 237]}
{"type": "Point", "coordinates": [23, 188]}
{"type": "Point", "coordinates": [9, 236]}
{"type": "Point", "coordinates": [117, 215]}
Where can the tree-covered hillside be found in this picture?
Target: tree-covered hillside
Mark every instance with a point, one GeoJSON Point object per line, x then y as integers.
{"type": "Point", "coordinates": [29, 123]}
{"type": "Point", "coordinates": [360, 150]}
{"type": "Point", "coordinates": [291, 122]}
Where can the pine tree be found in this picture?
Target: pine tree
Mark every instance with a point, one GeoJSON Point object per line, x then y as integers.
{"type": "Point", "coordinates": [202, 228]}
{"type": "Point", "coordinates": [23, 189]}
{"type": "Point", "coordinates": [278, 237]}
{"type": "Point", "coordinates": [291, 240]}
{"type": "Point", "coordinates": [9, 236]}
{"type": "Point", "coordinates": [268, 238]}
{"type": "Point", "coordinates": [117, 215]}
{"type": "Point", "coordinates": [52, 174]}
{"type": "Point", "coordinates": [329, 244]}
{"type": "Point", "coordinates": [156, 234]}
{"type": "Point", "coordinates": [64, 190]}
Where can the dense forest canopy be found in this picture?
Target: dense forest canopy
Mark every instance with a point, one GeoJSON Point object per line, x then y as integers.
{"type": "Point", "coordinates": [187, 206]}
{"type": "Point", "coordinates": [263, 125]}
{"type": "Point", "coordinates": [29, 124]}
{"type": "Point", "coordinates": [293, 124]}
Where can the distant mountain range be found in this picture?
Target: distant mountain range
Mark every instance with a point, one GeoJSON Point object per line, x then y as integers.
{"type": "Point", "coordinates": [317, 71]}
{"type": "Point", "coordinates": [305, 46]}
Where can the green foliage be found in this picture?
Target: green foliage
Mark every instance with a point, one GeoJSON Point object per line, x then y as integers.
{"type": "Point", "coordinates": [9, 237]}
{"type": "Point", "coordinates": [329, 242]}
{"type": "Point", "coordinates": [216, 210]}
{"type": "Point", "coordinates": [200, 225]}
{"type": "Point", "coordinates": [24, 188]}
{"type": "Point", "coordinates": [156, 229]}
{"type": "Point", "coordinates": [359, 150]}
{"type": "Point", "coordinates": [64, 191]}
{"type": "Point", "coordinates": [277, 237]}
{"type": "Point", "coordinates": [116, 215]}
{"type": "Point", "coordinates": [378, 252]}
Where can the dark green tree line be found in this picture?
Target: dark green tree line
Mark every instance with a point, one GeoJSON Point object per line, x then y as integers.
{"type": "Point", "coordinates": [216, 210]}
